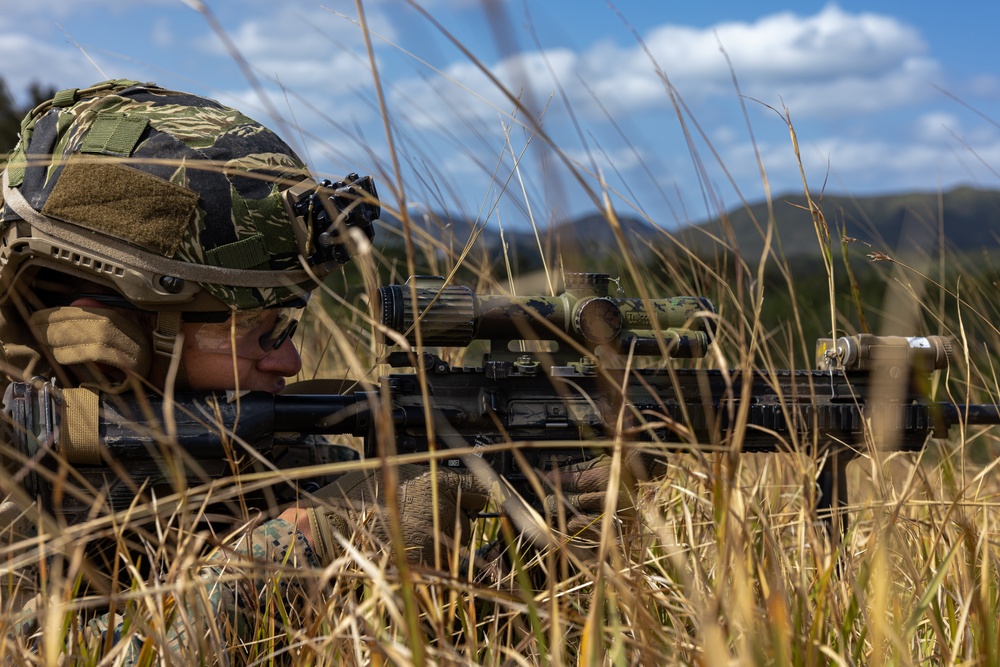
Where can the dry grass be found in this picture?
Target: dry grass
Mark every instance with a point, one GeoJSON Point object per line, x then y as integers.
{"type": "Point", "coordinates": [724, 562]}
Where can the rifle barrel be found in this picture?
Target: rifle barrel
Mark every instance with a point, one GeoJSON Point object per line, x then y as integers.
{"type": "Point", "coordinates": [977, 415]}
{"type": "Point", "coordinates": [328, 414]}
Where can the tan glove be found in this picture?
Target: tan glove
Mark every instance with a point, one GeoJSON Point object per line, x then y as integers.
{"type": "Point", "coordinates": [581, 490]}
{"type": "Point", "coordinates": [356, 502]}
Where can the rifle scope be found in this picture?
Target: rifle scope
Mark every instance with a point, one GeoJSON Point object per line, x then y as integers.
{"type": "Point", "coordinates": [454, 316]}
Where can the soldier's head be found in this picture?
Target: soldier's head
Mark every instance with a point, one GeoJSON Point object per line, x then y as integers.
{"type": "Point", "coordinates": [132, 214]}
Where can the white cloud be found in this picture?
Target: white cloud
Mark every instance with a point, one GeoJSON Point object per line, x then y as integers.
{"type": "Point", "coordinates": [857, 166]}
{"type": "Point", "coordinates": [865, 165]}
{"type": "Point", "coordinates": [314, 48]}
{"type": "Point", "coordinates": [785, 47]}
{"type": "Point", "coordinates": [823, 65]}
{"type": "Point", "coordinates": [303, 43]}
{"type": "Point", "coordinates": [834, 64]}
{"type": "Point", "coordinates": [829, 64]}
{"type": "Point", "coordinates": [937, 127]}
{"type": "Point", "coordinates": [464, 90]}
{"type": "Point", "coordinates": [608, 162]}
{"type": "Point", "coordinates": [163, 34]}
{"type": "Point", "coordinates": [62, 8]}
{"type": "Point", "coordinates": [41, 18]}
{"type": "Point", "coordinates": [724, 134]}
{"type": "Point", "coordinates": [38, 42]}
{"type": "Point", "coordinates": [984, 85]}
{"type": "Point", "coordinates": [25, 59]}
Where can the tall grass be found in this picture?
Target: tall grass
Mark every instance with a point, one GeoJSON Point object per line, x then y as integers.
{"type": "Point", "coordinates": [724, 559]}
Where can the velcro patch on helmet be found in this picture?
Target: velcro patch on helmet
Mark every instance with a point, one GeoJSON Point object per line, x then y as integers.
{"type": "Point", "coordinates": [17, 165]}
{"type": "Point", "coordinates": [248, 253]}
{"type": "Point", "coordinates": [66, 98]}
{"type": "Point", "coordinates": [124, 203]}
{"type": "Point", "coordinates": [114, 133]}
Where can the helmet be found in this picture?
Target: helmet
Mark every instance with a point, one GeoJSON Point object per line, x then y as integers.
{"type": "Point", "coordinates": [174, 201]}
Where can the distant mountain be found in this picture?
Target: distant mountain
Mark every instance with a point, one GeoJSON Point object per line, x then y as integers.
{"type": "Point", "coordinates": [590, 234]}
{"type": "Point", "coordinates": [965, 219]}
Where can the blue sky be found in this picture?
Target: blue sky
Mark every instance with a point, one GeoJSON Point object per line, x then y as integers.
{"type": "Point", "coordinates": [883, 97]}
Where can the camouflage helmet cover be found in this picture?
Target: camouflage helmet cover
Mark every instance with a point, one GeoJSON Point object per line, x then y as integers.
{"type": "Point", "coordinates": [174, 200]}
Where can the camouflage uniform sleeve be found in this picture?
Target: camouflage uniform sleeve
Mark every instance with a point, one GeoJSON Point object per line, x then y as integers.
{"type": "Point", "coordinates": [241, 594]}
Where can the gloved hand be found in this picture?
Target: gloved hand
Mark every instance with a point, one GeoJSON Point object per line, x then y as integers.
{"type": "Point", "coordinates": [582, 488]}
{"type": "Point", "coordinates": [358, 499]}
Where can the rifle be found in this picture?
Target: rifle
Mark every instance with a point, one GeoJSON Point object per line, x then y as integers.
{"type": "Point", "coordinates": [580, 386]}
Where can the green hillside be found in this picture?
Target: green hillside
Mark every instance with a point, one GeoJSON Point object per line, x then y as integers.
{"type": "Point", "coordinates": [911, 224]}
{"type": "Point", "coordinates": [964, 219]}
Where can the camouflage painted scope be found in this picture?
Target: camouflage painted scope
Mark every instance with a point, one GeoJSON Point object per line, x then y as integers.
{"type": "Point", "coordinates": [353, 203]}
{"type": "Point", "coordinates": [454, 316]}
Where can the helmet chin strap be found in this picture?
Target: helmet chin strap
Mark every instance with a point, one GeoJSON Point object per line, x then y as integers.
{"type": "Point", "coordinates": [168, 325]}
{"type": "Point", "coordinates": [167, 348]}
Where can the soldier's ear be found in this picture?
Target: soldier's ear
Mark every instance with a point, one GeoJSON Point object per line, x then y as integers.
{"type": "Point", "coordinates": [87, 302]}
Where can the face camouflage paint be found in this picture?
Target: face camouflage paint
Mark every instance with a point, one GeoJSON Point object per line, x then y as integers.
{"type": "Point", "coordinates": [248, 335]}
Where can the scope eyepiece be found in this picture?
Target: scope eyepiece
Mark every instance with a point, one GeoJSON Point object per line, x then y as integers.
{"type": "Point", "coordinates": [447, 314]}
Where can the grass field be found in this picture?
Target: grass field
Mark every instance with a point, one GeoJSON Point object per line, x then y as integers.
{"type": "Point", "coordinates": [723, 560]}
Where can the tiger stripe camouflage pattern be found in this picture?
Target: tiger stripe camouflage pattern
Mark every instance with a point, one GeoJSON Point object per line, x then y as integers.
{"type": "Point", "coordinates": [180, 176]}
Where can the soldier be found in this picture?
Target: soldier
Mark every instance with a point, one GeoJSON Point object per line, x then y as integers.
{"type": "Point", "coordinates": [152, 235]}
{"type": "Point", "coordinates": [153, 239]}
